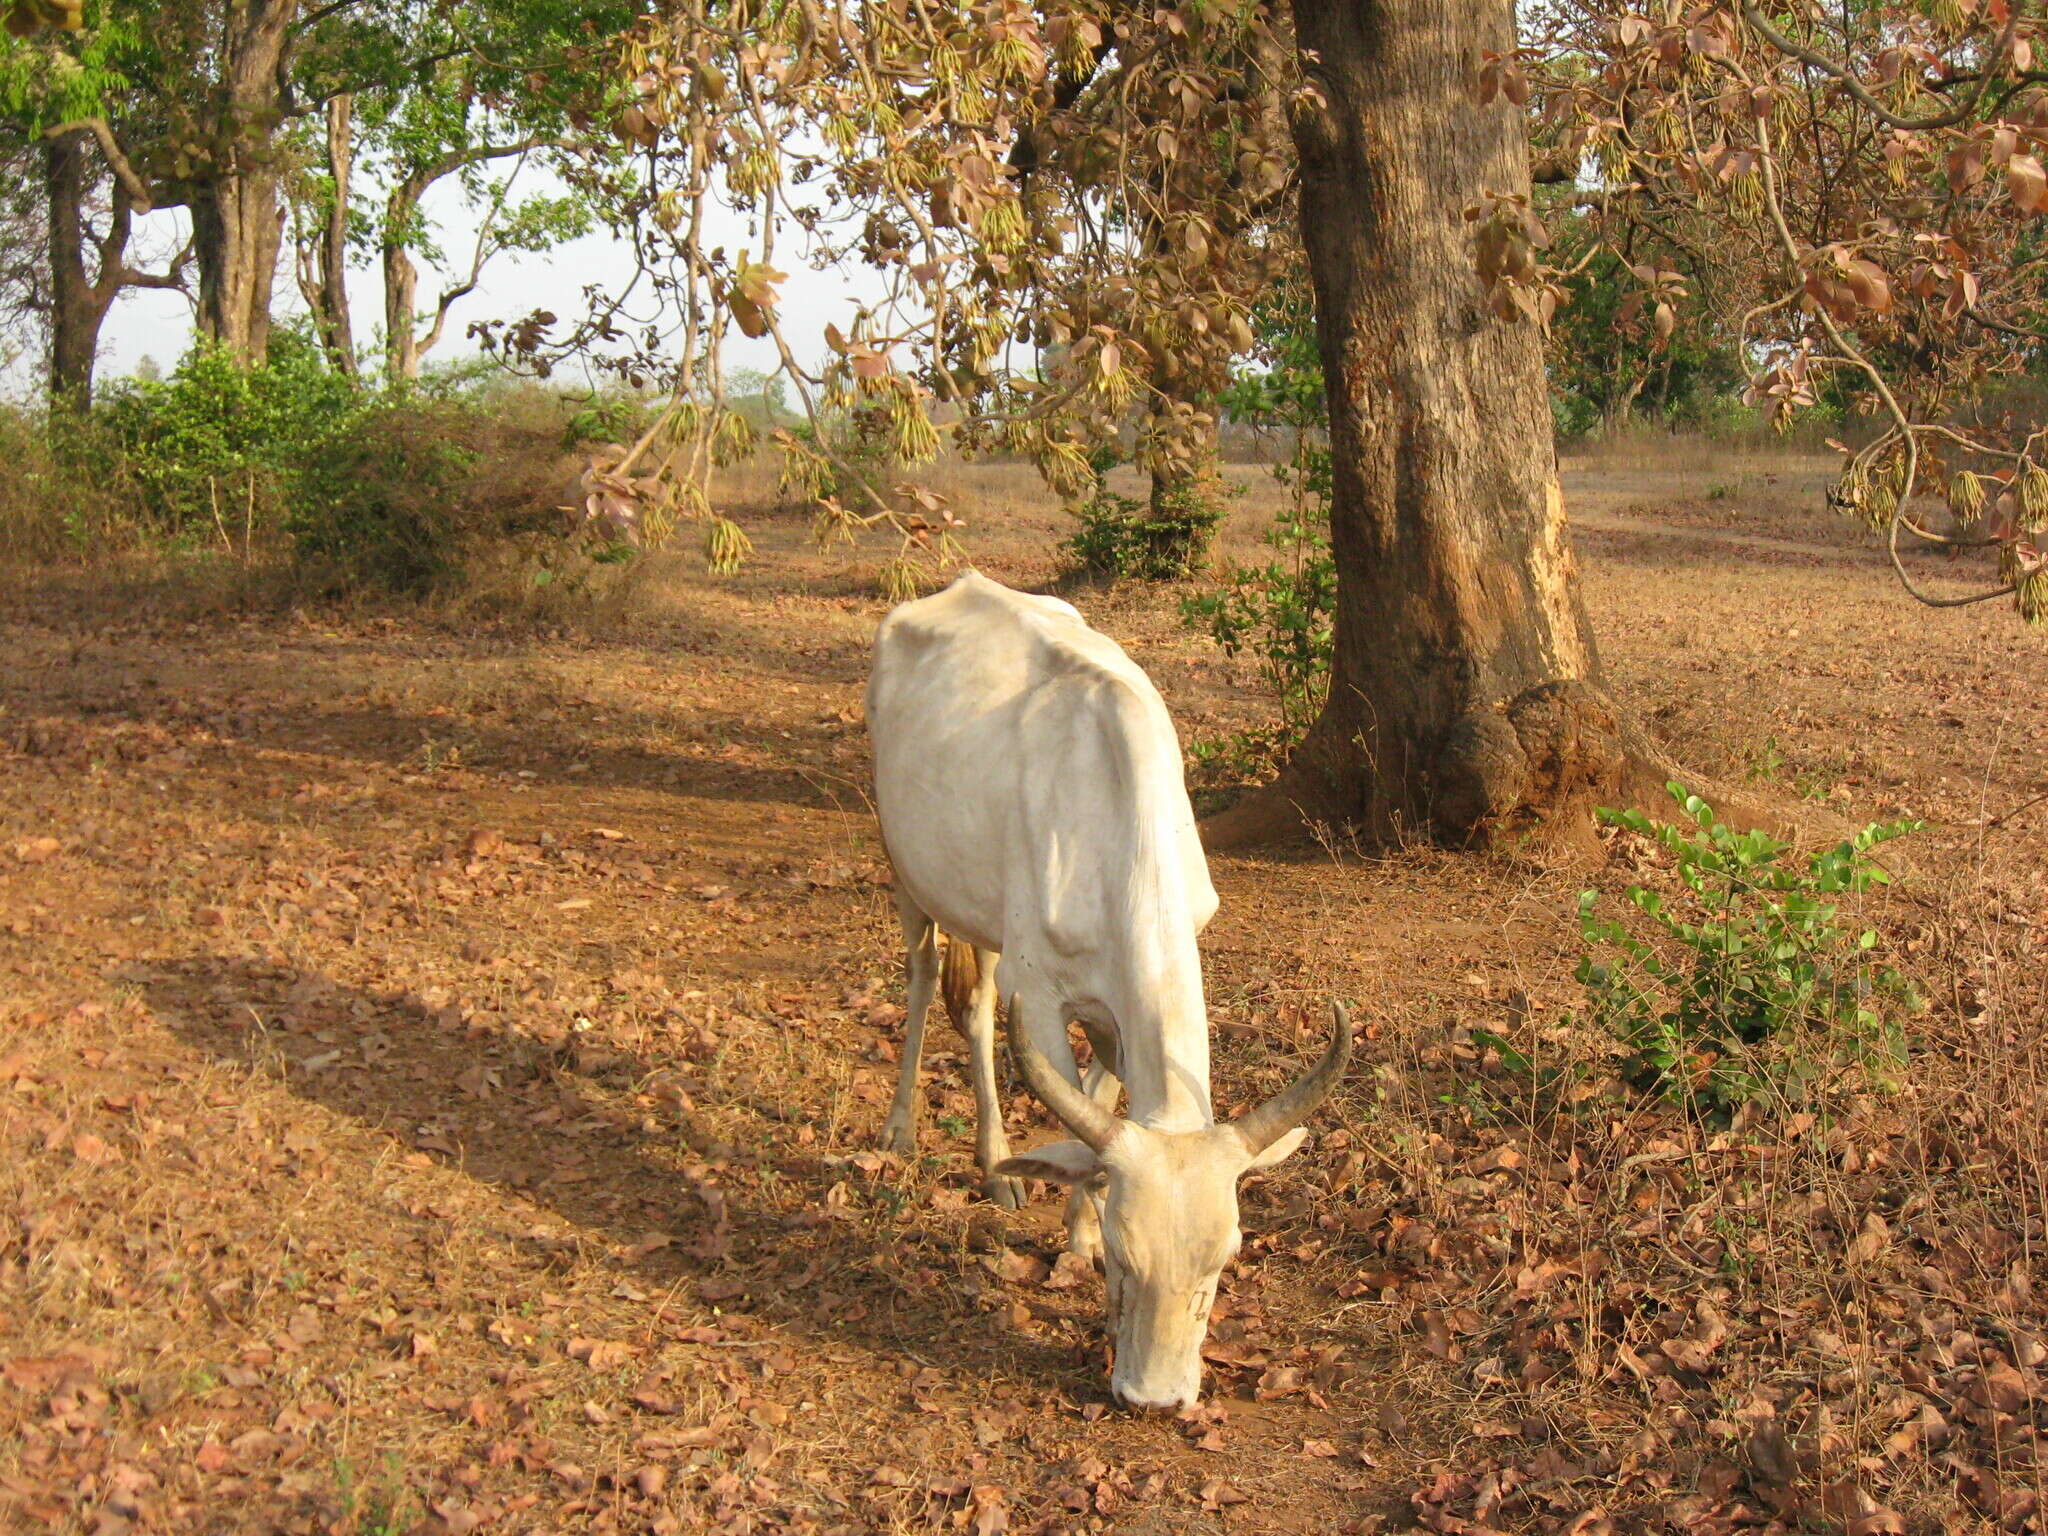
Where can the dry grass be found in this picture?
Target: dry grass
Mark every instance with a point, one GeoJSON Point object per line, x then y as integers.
{"type": "Point", "coordinates": [440, 1066]}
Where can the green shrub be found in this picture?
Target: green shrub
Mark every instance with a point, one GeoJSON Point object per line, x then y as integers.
{"type": "Point", "coordinates": [210, 448]}
{"type": "Point", "coordinates": [1752, 990]}
{"type": "Point", "coordinates": [388, 502]}
{"type": "Point", "coordinates": [65, 494]}
{"type": "Point", "coordinates": [1162, 540]}
{"type": "Point", "coordinates": [605, 419]}
{"type": "Point", "coordinates": [1284, 613]}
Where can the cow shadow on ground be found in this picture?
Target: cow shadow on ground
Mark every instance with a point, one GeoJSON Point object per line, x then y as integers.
{"type": "Point", "coordinates": [895, 1287]}
{"type": "Point", "coordinates": [734, 756]}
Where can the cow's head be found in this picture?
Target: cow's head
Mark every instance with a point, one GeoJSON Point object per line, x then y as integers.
{"type": "Point", "coordinates": [1169, 1211]}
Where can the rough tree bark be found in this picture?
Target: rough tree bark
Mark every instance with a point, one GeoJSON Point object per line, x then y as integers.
{"type": "Point", "coordinates": [237, 215]}
{"type": "Point", "coordinates": [1465, 700]}
{"type": "Point", "coordinates": [402, 281]}
{"type": "Point", "coordinates": [75, 310]}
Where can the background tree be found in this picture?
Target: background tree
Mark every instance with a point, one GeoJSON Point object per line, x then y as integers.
{"type": "Point", "coordinates": [1466, 697]}
{"type": "Point", "coordinates": [513, 81]}
{"type": "Point", "coordinates": [1876, 170]}
{"type": "Point", "coordinates": [53, 101]}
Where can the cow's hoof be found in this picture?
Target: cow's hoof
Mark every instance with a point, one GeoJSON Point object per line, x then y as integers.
{"type": "Point", "coordinates": [1006, 1192]}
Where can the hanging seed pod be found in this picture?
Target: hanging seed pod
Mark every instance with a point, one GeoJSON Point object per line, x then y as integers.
{"type": "Point", "coordinates": [1966, 497]}
{"type": "Point", "coordinates": [1064, 466]}
{"type": "Point", "coordinates": [898, 580]}
{"type": "Point", "coordinates": [2032, 597]}
{"type": "Point", "coordinates": [912, 435]}
{"type": "Point", "coordinates": [833, 525]}
{"type": "Point", "coordinates": [2033, 489]}
{"type": "Point", "coordinates": [1746, 192]}
{"type": "Point", "coordinates": [1847, 493]}
{"type": "Point", "coordinates": [734, 440]}
{"type": "Point", "coordinates": [726, 546]}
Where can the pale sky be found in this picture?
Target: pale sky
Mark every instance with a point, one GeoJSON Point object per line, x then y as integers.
{"type": "Point", "coordinates": [157, 323]}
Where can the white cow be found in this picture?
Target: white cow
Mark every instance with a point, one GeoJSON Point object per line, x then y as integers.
{"type": "Point", "coordinates": [1030, 792]}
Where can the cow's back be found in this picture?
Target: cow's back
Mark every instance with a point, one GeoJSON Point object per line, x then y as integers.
{"type": "Point", "coordinates": [1026, 772]}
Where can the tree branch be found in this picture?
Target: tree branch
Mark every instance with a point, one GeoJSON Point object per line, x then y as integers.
{"type": "Point", "coordinates": [125, 173]}
{"type": "Point", "coordinates": [481, 254]}
{"type": "Point", "coordinates": [1990, 324]}
{"type": "Point", "coordinates": [175, 278]}
{"type": "Point", "coordinates": [1856, 88]}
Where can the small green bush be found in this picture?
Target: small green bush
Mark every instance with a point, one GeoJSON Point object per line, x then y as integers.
{"type": "Point", "coordinates": [210, 448]}
{"type": "Point", "coordinates": [1753, 990]}
{"type": "Point", "coordinates": [65, 495]}
{"type": "Point", "coordinates": [388, 502]}
{"type": "Point", "coordinates": [1284, 613]}
{"type": "Point", "coordinates": [1123, 536]}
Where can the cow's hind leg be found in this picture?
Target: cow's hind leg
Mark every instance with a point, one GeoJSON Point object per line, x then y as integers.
{"type": "Point", "coordinates": [970, 993]}
{"type": "Point", "coordinates": [921, 938]}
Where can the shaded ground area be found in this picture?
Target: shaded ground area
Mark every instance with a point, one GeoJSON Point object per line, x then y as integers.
{"type": "Point", "coordinates": [438, 1074]}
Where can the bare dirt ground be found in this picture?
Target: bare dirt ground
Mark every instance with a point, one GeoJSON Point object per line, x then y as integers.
{"type": "Point", "coordinates": [439, 1069]}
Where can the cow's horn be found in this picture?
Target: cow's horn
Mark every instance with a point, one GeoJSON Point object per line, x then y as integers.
{"type": "Point", "coordinates": [1088, 1120]}
{"type": "Point", "coordinates": [1292, 1105]}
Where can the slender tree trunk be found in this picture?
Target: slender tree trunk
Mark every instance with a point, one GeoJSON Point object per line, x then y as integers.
{"type": "Point", "coordinates": [331, 311]}
{"type": "Point", "coordinates": [75, 310]}
{"type": "Point", "coordinates": [1465, 700]}
{"type": "Point", "coordinates": [401, 305]}
{"type": "Point", "coordinates": [237, 215]}
{"type": "Point", "coordinates": [401, 279]}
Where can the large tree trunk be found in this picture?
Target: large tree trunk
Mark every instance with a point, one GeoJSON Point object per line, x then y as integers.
{"type": "Point", "coordinates": [75, 312]}
{"type": "Point", "coordinates": [1465, 700]}
{"type": "Point", "coordinates": [401, 277]}
{"type": "Point", "coordinates": [237, 216]}
{"type": "Point", "coordinates": [237, 227]}
{"type": "Point", "coordinates": [82, 290]}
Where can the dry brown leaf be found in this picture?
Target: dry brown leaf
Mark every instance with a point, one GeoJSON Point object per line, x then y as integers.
{"type": "Point", "coordinates": [1069, 1269]}
{"type": "Point", "coordinates": [1216, 1493]}
{"type": "Point", "coordinates": [1017, 1266]}
{"type": "Point", "coordinates": [211, 1456]}
{"type": "Point", "coordinates": [602, 1354]}
{"type": "Point", "coordinates": [1870, 1243]}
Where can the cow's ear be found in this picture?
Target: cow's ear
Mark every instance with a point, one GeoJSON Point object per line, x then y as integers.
{"type": "Point", "coordinates": [1279, 1151]}
{"type": "Point", "coordinates": [1058, 1162]}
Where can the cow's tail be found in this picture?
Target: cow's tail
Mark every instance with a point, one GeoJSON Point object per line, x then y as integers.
{"type": "Point", "coordinates": [958, 976]}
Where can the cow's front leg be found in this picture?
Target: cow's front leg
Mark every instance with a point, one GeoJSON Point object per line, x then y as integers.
{"type": "Point", "coordinates": [921, 938]}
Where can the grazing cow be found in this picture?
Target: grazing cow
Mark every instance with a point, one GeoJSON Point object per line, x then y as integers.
{"type": "Point", "coordinates": [1030, 792]}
